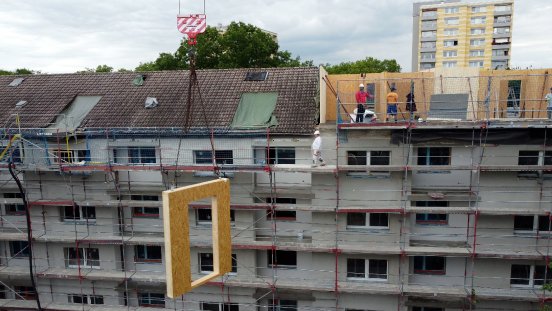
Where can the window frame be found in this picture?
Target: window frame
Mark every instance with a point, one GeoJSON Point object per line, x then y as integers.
{"type": "Point", "coordinates": [478, 53]}
{"type": "Point", "coordinates": [277, 265]}
{"type": "Point", "coordinates": [450, 43]}
{"type": "Point", "coordinates": [448, 21]}
{"type": "Point", "coordinates": [479, 9]}
{"type": "Point", "coordinates": [140, 211]}
{"type": "Point", "coordinates": [478, 20]}
{"type": "Point", "coordinates": [532, 281]}
{"type": "Point", "coordinates": [367, 273]}
{"type": "Point", "coordinates": [24, 292]}
{"type": "Point", "coordinates": [144, 256]}
{"type": "Point", "coordinates": [536, 227]}
{"type": "Point", "coordinates": [429, 158]}
{"type": "Point", "coordinates": [222, 157]}
{"type": "Point", "coordinates": [221, 306]}
{"type": "Point", "coordinates": [288, 305]}
{"type": "Point", "coordinates": [477, 42]}
{"type": "Point", "coordinates": [450, 32]}
{"type": "Point", "coordinates": [152, 302]}
{"type": "Point", "coordinates": [450, 53]}
{"type": "Point", "coordinates": [83, 213]}
{"type": "Point", "coordinates": [138, 155]}
{"type": "Point", "coordinates": [452, 10]}
{"type": "Point", "coordinates": [275, 155]}
{"type": "Point", "coordinates": [13, 209]}
{"type": "Point", "coordinates": [424, 270]}
{"type": "Point", "coordinates": [209, 222]}
{"type": "Point", "coordinates": [200, 256]}
{"type": "Point", "coordinates": [367, 222]}
{"type": "Point", "coordinates": [82, 257]}
{"type": "Point", "coordinates": [19, 249]}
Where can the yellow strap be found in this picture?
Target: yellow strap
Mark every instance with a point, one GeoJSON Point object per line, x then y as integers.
{"type": "Point", "coordinates": [12, 140]}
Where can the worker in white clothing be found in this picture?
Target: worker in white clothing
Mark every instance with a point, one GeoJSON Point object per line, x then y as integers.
{"type": "Point", "coordinates": [316, 147]}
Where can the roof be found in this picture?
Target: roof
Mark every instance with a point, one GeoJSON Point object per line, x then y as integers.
{"type": "Point", "coordinates": [122, 103]}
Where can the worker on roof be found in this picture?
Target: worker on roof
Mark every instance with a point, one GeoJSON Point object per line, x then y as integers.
{"type": "Point", "coordinates": [361, 97]}
{"type": "Point", "coordinates": [392, 100]}
{"type": "Point", "coordinates": [316, 150]}
{"type": "Point", "coordinates": [411, 106]}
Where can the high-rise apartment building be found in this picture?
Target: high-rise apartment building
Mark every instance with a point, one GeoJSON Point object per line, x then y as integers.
{"type": "Point", "coordinates": [454, 33]}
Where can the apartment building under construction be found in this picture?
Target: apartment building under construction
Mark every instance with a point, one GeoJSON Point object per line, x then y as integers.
{"type": "Point", "coordinates": [445, 209]}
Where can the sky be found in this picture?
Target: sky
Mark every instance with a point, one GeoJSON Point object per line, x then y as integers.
{"type": "Point", "coordinates": [59, 36]}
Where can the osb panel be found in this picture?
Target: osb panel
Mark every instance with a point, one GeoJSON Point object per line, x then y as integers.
{"type": "Point", "coordinates": [177, 240]}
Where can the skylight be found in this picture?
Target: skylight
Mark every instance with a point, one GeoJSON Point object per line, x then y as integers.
{"type": "Point", "coordinates": [16, 82]}
{"type": "Point", "coordinates": [151, 102]}
{"type": "Point", "coordinates": [256, 76]}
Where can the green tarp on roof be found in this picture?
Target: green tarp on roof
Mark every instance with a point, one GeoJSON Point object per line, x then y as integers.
{"type": "Point", "coordinates": [255, 111]}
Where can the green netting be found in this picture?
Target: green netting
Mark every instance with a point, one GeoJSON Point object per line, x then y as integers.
{"type": "Point", "coordinates": [138, 80]}
{"type": "Point", "coordinates": [255, 111]}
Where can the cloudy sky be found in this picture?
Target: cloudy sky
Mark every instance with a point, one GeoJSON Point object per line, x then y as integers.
{"type": "Point", "coordinates": [69, 35]}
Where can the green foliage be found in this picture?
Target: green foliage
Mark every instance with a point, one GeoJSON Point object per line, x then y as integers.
{"type": "Point", "coordinates": [240, 46]}
{"type": "Point", "coordinates": [104, 68]}
{"type": "Point", "coordinates": [367, 65]}
{"type": "Point", "coordinates": [18, 71]}
{"type": "Point", "coordinates": [123, 70]}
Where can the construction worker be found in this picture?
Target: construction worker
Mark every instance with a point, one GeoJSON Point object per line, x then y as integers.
{"type": "Point", "coordinates": [411, 106]}
{"type": "Point", "coordinates": [316, 147]}
{"type": "Point", "coordinates": [361, 97]}
{"type": "Point", "coordinates": [392, 100]}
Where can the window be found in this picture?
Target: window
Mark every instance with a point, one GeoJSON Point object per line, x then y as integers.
{"type": "Point", "coordinates": [503, 19]}
{"type": "Point", "coordinates": [143, 211]}
{"type": "Point", "coordinates": [450, 53]}
{"type": "Point", "coordinates": [429, 265]}
{"type": "Point", "coordinates": [282, 305]}
{"type": "Point", "coordinates": [70, 156]}
{"type": "Point", "coordinates": [373, 269]}
{"type": "Point", "coordinates": [429, 34]}
{"type": "Point", "coordinates": [280, 155]}
{"type": "Point", "coordinates": [281, 214]}
{"type": "Point", "coordinates": [532, 223]}
{"type": "Point", "coordinates": [208, 306]}
{"type": "Point", "coordinates": [256, 75]}
{"type": "Point", "coordinates": [479, 9]}
{"type": "Point", "coordinates": [429, 24]}
{"type": "Point", "coordinates": [477, 31]}
{"type": "Point", "coordinates": [11, 208]}
{"type": "Point", "coordinates": [451, 31]}
{"type": "Point", "coordinates": [203, 216]}
{"type": "Point", "coordinates": [428, 45]}
{"type": "Point", "coordinates": [478, 20]}
{"type": "Point", "coordinates": [528, 157]}
{"type": "Point", "coordinates": [24, 292]}
{"type": "Point", "coordinates": [452, 10]}
{"type": "Point", "coordinates": [529, 275]}
{"type": "Point", "coordinates": [477, 63]}
{"type": "Point", "coordinates": [452, 21]}
{"type": "Point", "coordinates": [143, 155]}
{"type": "Point", "coordinates": [432, 219]}
{"type": "Point", "coordinates": [449, 43]}
{"type": "Point", "coordinates": [434, 156]}
{"type": "Point", "coordinates": [501, 52]}
{"type": "Point", "coordinates": [368, 220]}
{"type": "Point", "coordinates": [82, 257]}
{"type": "Point", "coordinates": [502, 8]}
{"type": "Point", "coordinates": [79, 213]}
{"type": "Point", "coordinates": [427, 66]}
{"type": "Point", "coordinates": [151, 300]}
{"type": "Point", "coordinates": [84, 299]}
{"type": "Point", "coordinates": [19, 249]}
{"type": "Point", "coordinates": [282, 259]}
{"type": "Point", "coordinates": [431, 13]}
{"type": "Point", "coordinates": [477, 42]}
{"type": "Point", "coordinates": [206, 263]}
{"type": "Point", "coordinates": [427, 55]}
{"type": "Point", "coordinates": [375, 157]}
{"type": "Point", "coordinates": [147, 253]}
{"type": "Point", "coordinates": [498, 41]}
{"type": "Point", "coordinates": [221, 157]}
{"type": "Point", "coordinates": [477, 53]}
{"type": "Point", "coordinates": [501, 30]}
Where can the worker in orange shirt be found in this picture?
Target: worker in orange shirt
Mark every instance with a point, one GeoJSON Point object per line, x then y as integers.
{"type": "Point", "coordinates": [392, 100]}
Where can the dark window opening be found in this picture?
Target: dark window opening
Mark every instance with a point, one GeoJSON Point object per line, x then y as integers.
{"type": "Point", "coordinates": [368, 220]}
{"type": "Point", "coordinates": [541, 276]}
{"type": "Point", "coordinates": [24, 292]}
{"type": "Point", "coordinates": [207, 306]}
{"type": "Point", "coordinates": [524, 223]}
{"type": "Point", "coordinates": [356, 268]}
{"type": "Point", "coordinates": [151, 300]}
{"type": "Point", "coordinates": [148, 253]}
{"type": "Point", "coordinates": [256, 76]}
{"type": "Point", "coordinates": [141, 155]}
{"type": "Point", "coordinates": [356, 158]}
{"type": "Point", "coordinates": [206, 262]}
{"type": "Point", "coordinates": [432, 219]}
{"type": "Point", "coordinates": [79, 213]}
{"type": "Point", "coordinates": [145, 212]}
{"type": "Point", "coordinates": [284, 259]}
{"type": "Point", "coordinates": [434, 156]}
{"type": "Point", "coordinates": [282, 305]}
{"type": "Point", "coordinates": [429, 265]}
{"type": "Point", "coordinates": [280, 155]}
{"type": "Point", "coordinates": [528, 157]}
{"type": "Point", "coordinates": [19, 249]}
{"type": "Point", "coordinates": [221, 157]}
{"type": "Point", "coordinates": [282, 215]}
{"type": "Point", "coordinates": [520, 275]}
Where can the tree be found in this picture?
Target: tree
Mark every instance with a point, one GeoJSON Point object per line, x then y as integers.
{"type": "Point", "coordinates": [104, 68]}
{"type": "Point", "coordinates": [18, 71]}
{"type": "Point", "coordinates": [240, 46]}
{"type": "Point", "coordinates": [367, 65]}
